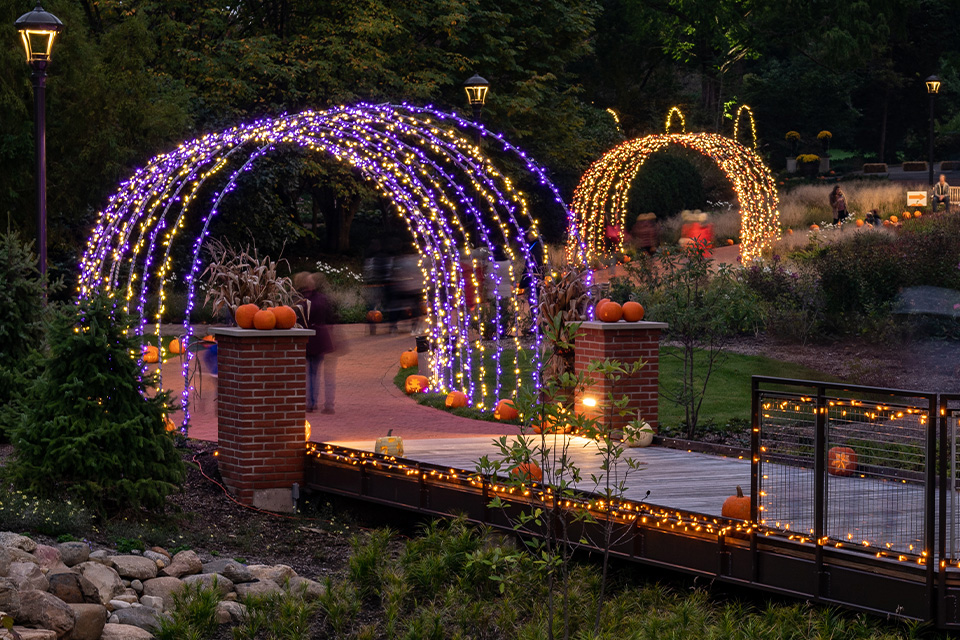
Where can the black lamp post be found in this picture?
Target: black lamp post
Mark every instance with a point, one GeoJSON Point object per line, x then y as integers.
{"type": "Point", "coordinates": [38, 29]}
{"type": "Point", "coordinates": [933, 87]}
{"type": "Point", "coordinates": [476, 88]}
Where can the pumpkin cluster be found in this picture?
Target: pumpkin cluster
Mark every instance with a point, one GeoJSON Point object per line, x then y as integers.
{"type": "Point", "coordinates": [609, 311]}
{"type": "Point", "coordinates": [250, 316]}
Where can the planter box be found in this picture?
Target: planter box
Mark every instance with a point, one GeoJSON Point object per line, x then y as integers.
{"type": "Point", "coordinates": [914, 166]}
{"type": "Point", "coordinates": [875, 167]}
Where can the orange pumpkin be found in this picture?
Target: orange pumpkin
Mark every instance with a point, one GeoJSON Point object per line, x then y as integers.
{"type": "Point", "coordinates": [505, 411]}
{"type": "Point", "coordinates": [789, 232]}
{"type": "Point", "coordinates": [168, 424]}
{"type": "Point", "coordinates": [916, 214]}
{"type": "Point", "coordinates": [374, 316]}
{"type": "Point", "coordinates": [456, 399]}
{"type": "Point", "coordinates": [408, 359]}
{"type": "Point", "coordinates": [906, 215]}
{"type": "Point", "coordinates": [528, 471]}
{"type": "Point", "coordinates": [610, 312]}
{"type": "Point", "coordinates": [209, 338]}
{"type": "Point", "coordinates": [244, 315]}
{"type": "Point", "coordinates": [859, 222]}
{"type": "Point", "coordinates": [814, 227]}
{"type": "Point", "coordinates": [174, 346]}
{"type": "Point", "coordinates": [841, 461]}
{"type": "Point", "coordinates": [151, 354]}
{"type": "Point", "coordinates": [737, 506]}
{"type": "Point", "coordinates": [264, 320]}
{"type": "Point", "coordinates": [632, 311]}
{"type": "Point", "coordinates": [894, 219]}
{"type": "Point", "coordinates": [729, 242]}
{"type": "Point", "coordinates": [599, 306]}
{"type": "Point", "coordinates": [416, 384]}
{"type": "Point", "coordinates": [286, 317]}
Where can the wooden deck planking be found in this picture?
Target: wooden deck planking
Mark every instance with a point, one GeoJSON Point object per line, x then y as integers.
{"type": "Point", "coordinates": [882, 512]}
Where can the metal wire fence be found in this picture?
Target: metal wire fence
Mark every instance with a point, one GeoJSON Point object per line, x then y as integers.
{"type": "Point", "coordinates": [849, 466]}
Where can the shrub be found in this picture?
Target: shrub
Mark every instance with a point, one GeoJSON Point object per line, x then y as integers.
{"type": "Point", "coordinates": [22, 321]}
{"type": "Point", "coordinates": [89, 430]}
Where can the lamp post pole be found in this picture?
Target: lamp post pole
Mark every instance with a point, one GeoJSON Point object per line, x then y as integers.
{"type": "Point", "coordinates": [476, 88]}
{"type": "Point", "coordinates": [38, 29]}
{"type": "Point", "coordinates": [933, 87]}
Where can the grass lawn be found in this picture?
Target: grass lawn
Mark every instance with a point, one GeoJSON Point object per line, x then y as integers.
{"type": "Point", "coordinates": [727, 397]}
{"type": "Point", "coordinates": [728, 390]}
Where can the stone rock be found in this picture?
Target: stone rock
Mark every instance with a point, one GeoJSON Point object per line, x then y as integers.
{"type": "Point", "coordinates": [16, 541]}
{"type": "Point", "coordinates": [100, 555]}
{"type": "Point", "coordinates": [72, 587]}
{"type": "Point", "coordinates": [9, 555]}
{"type": "Point", "coordinates": [136, 585]}
{"type": "Point", "coordinates": [161, 551]}
{"type": "Point", "coordinates": [258, 588]}
{"type": "Point", "coordinates": [27, 575]}
{"type": "Point", "coordinates": [163, 587]}
{"type": "Point", "coordinates": [279, 573]}
{"type": "Point", "coordinates": [231, 569]}
{"type": "Point", "coordinates": [104, 579]}
{"type": "Point", "coordinates": [158, 558]}
{"type": "Point", "coordinates": [116, 605]}
{"type": "Point", "coordinates": [223, 584]}
{"type": "Point", "coordinates": [9, 598]}
{"type": "Point", "coordinates": [42, 609]}
{"type": "Point", "coordinates": [154, 602]}
{"type": "Point", "coordinates": [114, 631]}
{"type": "Point", "coordinates": [73, 553]}
{"type": "Point", "coordinates": [35, 634]}
{"type": "Point", "coordinates": [230, 612]}
{"type": "Point", "coordinates": [184, 563]}
{"type": "Point", "coordinates": [129, 595]}
{"type": "Point", "coordinates": [143, 617]}
{"type": "Point", "coordinates": [311, 588]}
{"type": "Point", "coordinates": [48, 558]}
{"type": "Point", "coordinates": [90, 619]}
{"type": "Point", "coordinates": [134, 567]}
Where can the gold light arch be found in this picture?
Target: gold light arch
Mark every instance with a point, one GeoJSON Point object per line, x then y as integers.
{"type": "Point", "coordinates": [601, 198]}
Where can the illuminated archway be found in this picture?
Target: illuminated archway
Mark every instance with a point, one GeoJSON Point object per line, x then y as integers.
{"type": "Point", "coordinates": [450, 195]}
{"type": "Point", "coordinates": [600, 200]}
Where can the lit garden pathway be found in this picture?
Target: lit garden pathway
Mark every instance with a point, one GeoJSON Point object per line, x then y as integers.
{"type": "Point", "coordinates": [367, 402]}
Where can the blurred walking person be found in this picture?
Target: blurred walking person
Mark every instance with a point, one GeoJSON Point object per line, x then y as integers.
{"type": "Point", "coordinates": [318, 315]}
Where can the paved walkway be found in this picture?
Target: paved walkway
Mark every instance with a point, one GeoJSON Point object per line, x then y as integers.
{"type": "Point", "coordinates": [367, 402]}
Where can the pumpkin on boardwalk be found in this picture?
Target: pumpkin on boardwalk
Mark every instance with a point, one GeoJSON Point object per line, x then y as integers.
{"type": "Point", "coordinates": [286, 317]}
{"type": "Point", "coordinates": [737, 506]}
{"type": "Point", "coordinates": [264, 320]}
{"type": "Point", "coordinates": [456, 399]}
{"type": "Point", "coordinates": [244, 315]}
{"type": "Point", "coordinates": [389, 445]}
{"type": "Point", "coordinates": [632, 311]}
{"type": "Point", "coordinates": [528, 471]}
{"type": "Point", "coordinates": [374, 316]}
{"type": "Point", "coordinates": [841, 461]}
{"type": "Point", "coordinates": [416, 384]}
{"type": "Point", "coordinates": [610, 312]}
{"type": "Point", "coordinates": [409, 359]}
{"type": "Point", "coordinates": [505, 411]}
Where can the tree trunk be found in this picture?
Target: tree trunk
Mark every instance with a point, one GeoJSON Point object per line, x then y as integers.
{"type": "Point", "coordinates": [883, 125]}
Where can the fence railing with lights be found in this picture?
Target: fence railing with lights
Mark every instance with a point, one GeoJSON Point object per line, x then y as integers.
{"type": "Point", "coordinates": [858, 467]}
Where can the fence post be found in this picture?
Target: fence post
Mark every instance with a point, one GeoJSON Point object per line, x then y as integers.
{"type": "Point", "coordinates": [755, 460]}
{"type": "Point", "coordinates": [820, 484]}
{"type": "Point", "coordinates": [930, 505]}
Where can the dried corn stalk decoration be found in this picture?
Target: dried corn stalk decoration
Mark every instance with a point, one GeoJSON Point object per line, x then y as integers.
{"type": "Point", "coordinates": [241, 277]}
{"type": "Point", "coordinates": [564, 299]}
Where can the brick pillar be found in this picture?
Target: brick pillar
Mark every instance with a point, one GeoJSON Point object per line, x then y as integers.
{"type": "Point", "coordinates": [626, 342]}
{"type": "Point", "coordinates": [261, 410]}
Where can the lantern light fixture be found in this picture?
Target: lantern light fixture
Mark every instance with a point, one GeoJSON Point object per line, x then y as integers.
{"type": "Point", "coordinates": [38, 29]}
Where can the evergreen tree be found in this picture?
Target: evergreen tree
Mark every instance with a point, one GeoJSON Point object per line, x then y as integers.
{"type": "Point", "coordinates": [90, 428]}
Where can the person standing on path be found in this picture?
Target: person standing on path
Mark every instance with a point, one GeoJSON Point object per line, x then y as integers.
{"type": "Point", "coordinates": [941, 193]}
{"type": "Point", "coordinates": [317, 312]}
{"type": "Point", "coordinates": [838, 202]}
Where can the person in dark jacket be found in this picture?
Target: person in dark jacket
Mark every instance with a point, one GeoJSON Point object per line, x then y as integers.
{"type": "Point", "coordinates": [317, 312]}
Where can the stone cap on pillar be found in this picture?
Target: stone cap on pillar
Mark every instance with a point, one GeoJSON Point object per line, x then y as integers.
{"type": "Point", "coordinates": [623, 324]}
{"type": "Point", "coordinates": [261, 333]}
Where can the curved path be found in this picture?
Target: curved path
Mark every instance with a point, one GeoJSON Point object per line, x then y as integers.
{"type": "Point", "coordinates": [368, 404]}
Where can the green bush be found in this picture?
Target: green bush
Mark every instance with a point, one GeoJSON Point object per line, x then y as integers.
{"type": "Point", "coordinates": [89, 429]}
{"type": "Point", "coordinates": [22, 322]}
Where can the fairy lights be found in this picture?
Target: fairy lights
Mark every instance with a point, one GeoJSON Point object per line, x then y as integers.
{"type": "Point", "coordinates": [459, 207]}
{"type": "Point", "coordinates": [601, 198]}
{"type": "Point", "coordinates": [753, 125]}
{"type": "Point", "coordinates": [683, 121]}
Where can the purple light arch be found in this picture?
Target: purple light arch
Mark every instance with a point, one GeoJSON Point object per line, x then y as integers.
{"type": "Point", "coordinates": [417, 157]}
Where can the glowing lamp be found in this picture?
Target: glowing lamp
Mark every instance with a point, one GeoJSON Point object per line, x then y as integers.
{"type": "Point", "coordinates": [933, 84]}
{"type": "Point", "coordinates": [476, 88]}
{"type": "Point", "coordinates": [589, 402]}
{"type": "Point", "coordinates": [38, 29]}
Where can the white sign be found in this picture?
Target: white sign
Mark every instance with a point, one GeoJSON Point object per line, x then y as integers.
{"type": "Point", "coordinates": [916, 198]}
